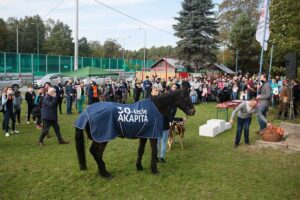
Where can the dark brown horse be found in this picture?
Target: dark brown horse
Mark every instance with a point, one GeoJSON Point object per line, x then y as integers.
{"type": "Point", "coordinates": [164, 103]}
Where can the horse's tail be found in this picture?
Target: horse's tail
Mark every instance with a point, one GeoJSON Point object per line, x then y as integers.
{"type": "Point", "coordinates": [79, 137]}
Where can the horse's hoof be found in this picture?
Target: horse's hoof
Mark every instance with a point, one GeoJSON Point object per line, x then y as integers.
{"type": "Point", "coordinates": [139, 167]}
{"type": "Point", "coordinates": [155, 172]}
{"type": "Point", "coordinates": [106, 175]}
{"type": "Point", "coordinates": [83, 168]}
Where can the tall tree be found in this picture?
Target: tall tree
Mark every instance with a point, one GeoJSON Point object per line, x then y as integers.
{"type": "Point", "coordinates": [112, 49]}
{"type": "Point", "coordinates": [59, 39]}
{"type": "Point", "coordinates": [285, 26]}
{"type": "Point", "coordinates": [96, 49]}
{"type": "Point", "coordinates": [197, 30]}
{"type": "Point", "coordinates": [156, 53]}
{"type": "Point", "coordinates": [11, 40]}
{"type": "Point", "coordinates": [31, 31]}
{"type": "Point", "coordinates": [228, 12]}
{"type": "Point", "coordinates": [3, 35]}
{"type": "Point", "coordinates": [83, 47]}
{"type": "Point", "coordinates": [242, 39]}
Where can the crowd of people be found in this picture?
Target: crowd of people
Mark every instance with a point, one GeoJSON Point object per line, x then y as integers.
{"type": "Point", "coordinates": [203, 89]}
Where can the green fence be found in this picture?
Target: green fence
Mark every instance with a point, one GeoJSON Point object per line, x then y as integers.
{"type": "Point", "coordinates": [42, 64]}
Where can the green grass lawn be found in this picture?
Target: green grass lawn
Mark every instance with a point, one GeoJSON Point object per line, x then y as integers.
{"type": "Point", "coordinates": [208, 168]}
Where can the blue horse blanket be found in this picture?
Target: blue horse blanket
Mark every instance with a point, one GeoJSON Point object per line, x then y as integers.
{"type": "Point", "coordinates": [108, 120]}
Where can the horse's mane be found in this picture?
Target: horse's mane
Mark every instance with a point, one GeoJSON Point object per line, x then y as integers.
{"type": "Point", "coordinates": [165, 102]}
{"type": "Point", "coordinates": [167, 95]}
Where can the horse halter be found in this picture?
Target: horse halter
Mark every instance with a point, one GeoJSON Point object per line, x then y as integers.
{"type": "Point", "coordinates": [190, 110]}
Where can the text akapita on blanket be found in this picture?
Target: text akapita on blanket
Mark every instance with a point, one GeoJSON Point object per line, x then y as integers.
{"type": "Point", "coordinates": [109, 120]}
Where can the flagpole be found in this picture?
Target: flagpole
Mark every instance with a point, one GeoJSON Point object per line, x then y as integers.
{"type": "Point", "coordinates": [271, 59]}
{"type": "Point", "coordinates": [76, 40]}
{"type": "Point", "coordinates": [263, 43]}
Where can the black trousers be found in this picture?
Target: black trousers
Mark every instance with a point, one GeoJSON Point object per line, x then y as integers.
{"type": "Point", "coordinates": [95, 99]}
{"type": "Point", "coordinates": [29, 112]}
{"type": "Point", "coordinates": [18, 115]}
{"type": "Point", "coordinates": [9, 114]}
{"type": "Point", "coordinates": [60, 100]}
{"type": "Point", "coordinates": [3, 122]}
{"type": "Point", "coordinates": [46, 126]}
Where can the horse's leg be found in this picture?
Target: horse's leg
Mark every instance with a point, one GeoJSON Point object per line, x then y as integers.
{"type": "Point", "coordinates": [180, 139]}
{"type": "Point", "coordinates": [141, 151]}
{"type": "Point", "coordinates": [170, 139]}
{"type": "Point", "coordinates": [153, 143]}
{"type": "Point", "coordinates": [97, 150]}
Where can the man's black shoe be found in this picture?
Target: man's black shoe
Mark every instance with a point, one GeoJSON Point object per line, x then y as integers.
{"type": "Point", "coordinates": [63, 142]}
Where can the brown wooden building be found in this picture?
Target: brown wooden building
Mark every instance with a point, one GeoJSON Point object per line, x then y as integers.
{"type": "Point", "coordinates": [164, 68]}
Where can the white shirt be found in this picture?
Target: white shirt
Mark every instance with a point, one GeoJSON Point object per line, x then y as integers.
{"type": "Point", "coordinates": [196, 85]}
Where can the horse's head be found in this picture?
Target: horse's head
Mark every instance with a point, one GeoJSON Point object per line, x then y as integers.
{"type": "Point", "coordinates": [184, 102]}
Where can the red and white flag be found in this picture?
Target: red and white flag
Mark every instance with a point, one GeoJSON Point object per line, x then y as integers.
{"type": "Point", "coordinates": [261, 24]}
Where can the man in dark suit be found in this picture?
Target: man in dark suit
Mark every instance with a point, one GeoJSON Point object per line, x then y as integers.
{"type": "Point", "coordinates": [49, 116]}
{"type": "Point", "coordinates": [59, 94]}
{"type": "Point", "coordinates": [70, 96]}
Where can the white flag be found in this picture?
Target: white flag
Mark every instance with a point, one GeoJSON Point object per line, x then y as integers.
{"type": "Point", "coordinates": [260, 27]}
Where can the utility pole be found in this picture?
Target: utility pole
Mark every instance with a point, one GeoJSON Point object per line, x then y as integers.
{"type": "Point", "coordinates": [76, 40]}
{"type": "Point", "coordinates": [123, 47]}
{"type": "Point", "coordinates": [271, 60]}
{"type": "Point", "coordinates": [145, 38]}
{"type": "Point", "coordinates": [236, 60]}
{"type": "Point", "coordinates": [37, 39]}
{"type": "Point", "coordinates": [17, 38]}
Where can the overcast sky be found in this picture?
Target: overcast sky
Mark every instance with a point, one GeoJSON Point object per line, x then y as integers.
{"type": "Point", "coordinates": [97, 22]}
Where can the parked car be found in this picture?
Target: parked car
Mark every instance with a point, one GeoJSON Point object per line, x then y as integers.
{"type": "Point", "coordinates": [130, 78]}
{"type": "Point", "coordinates": [51, 79]}
{"type": "Point", "coordinates": [98, 80]}
{"type": "Point", "coordinates": [10, 81]}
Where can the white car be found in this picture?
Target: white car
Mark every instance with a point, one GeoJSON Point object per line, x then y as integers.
{"type": "Point", "coordinates": [10, 81]}
{"type": "Point", "coordinates": [98, 80]}
{"type": "Point", "coordinates": [130, 78]}
{"type": "Point", "coordinates": [52, 79]}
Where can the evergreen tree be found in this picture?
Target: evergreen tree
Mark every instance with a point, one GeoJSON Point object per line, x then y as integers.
{"type": "Point", "coordinates": [242, 39]}
{"type": "Point", "coordinates": [197, 30]}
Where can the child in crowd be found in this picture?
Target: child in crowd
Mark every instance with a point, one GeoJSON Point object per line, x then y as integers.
{"type": "Point", "coordinates": [38, 108]}
{"type": "Point", "coordinates": [29, 97]}
{"type": "Point", "coordinates": [204, 93]}
{"type": "Point", "coordinates": [193, 95]}
{"type": "Point", "coordinates": [8, 102]}
{"type": "Point", "coordinates": [235, 89]}
{"type": "Point", "coordinates": [17, 106]}
{"type": "Point", "coordinates": [242, 95]}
